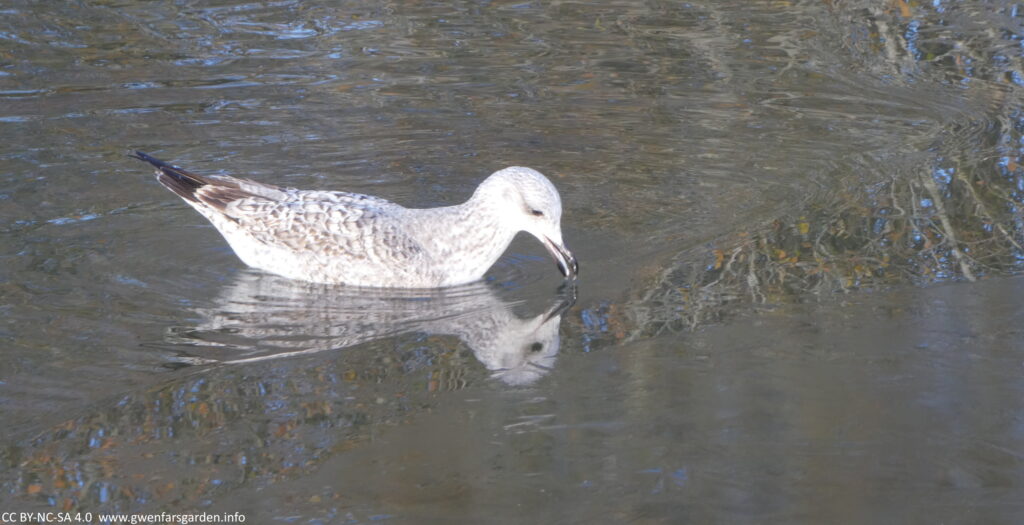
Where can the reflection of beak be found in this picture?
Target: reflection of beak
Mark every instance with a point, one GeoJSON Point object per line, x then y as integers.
{"type": "Point", "coordinates": [567, 292]}
{"type": "Point", "coordinates": [563, 257]}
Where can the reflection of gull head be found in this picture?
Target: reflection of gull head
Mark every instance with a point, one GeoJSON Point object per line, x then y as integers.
{"type": "Point", "coordinates": [518, 351]}
{"type": "Point", "coordinates": [261, 317]}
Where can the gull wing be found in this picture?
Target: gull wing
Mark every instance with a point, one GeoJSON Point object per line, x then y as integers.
{"type": "Point", "coordinates": [329, 224]}
{"type": "Point", "coordinates": [324, 224]}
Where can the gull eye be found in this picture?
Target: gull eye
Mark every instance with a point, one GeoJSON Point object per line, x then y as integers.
{"type": "Point", "coordinates": [537, 213]}
{"type": "Point", "coordinates": [536, 347]}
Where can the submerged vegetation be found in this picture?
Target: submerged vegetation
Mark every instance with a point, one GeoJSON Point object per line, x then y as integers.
{"type": "Point", "coordinates": [949, 210]}
{"type": "Point", "coordinates": [932, 226]}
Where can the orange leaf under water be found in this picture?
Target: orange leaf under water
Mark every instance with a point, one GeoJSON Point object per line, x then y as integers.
{"type": "Point", "coordinates": [904, 8]}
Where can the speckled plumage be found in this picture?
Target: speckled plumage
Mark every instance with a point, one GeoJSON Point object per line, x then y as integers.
{"type": "Point", "coordinates": [348, 238]}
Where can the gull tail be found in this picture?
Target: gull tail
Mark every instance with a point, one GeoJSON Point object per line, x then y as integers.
{"type": "Point", "coordinates": [174, 178]}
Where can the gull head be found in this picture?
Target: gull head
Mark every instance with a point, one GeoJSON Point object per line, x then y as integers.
{"type": "Point", "coordinates": [529, 202]}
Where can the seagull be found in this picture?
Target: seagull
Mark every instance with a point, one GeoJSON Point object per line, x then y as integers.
{"type": "Point", "coordinates": [347, 238]}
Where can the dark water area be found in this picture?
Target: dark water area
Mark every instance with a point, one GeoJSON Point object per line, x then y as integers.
{"type": "Point", "coordinates": [799, 226]}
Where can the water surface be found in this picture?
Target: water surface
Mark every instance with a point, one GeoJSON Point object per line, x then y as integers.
{"type": "Point", "coordinates": [798, 224]}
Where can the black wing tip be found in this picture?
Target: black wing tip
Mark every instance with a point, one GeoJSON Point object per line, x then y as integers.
{"type": "Point", "coordinates": [141, 155]}
{"type": "Point", "coordinates": [172, 177]}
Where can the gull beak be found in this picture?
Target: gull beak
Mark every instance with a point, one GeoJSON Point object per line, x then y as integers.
{"type": "Point", "coordinates": [563, 258]}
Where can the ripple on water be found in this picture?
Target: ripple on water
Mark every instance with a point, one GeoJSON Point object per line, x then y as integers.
{"type": "Point", "coordinates": [712, 156]}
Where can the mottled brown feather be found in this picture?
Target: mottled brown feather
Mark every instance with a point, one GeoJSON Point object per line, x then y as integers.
{"type": "Point", "coordinates": [220, 197]}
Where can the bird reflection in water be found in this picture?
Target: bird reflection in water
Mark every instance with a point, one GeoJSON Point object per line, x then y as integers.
{"type": "Point", "coordinates": [261, 317]}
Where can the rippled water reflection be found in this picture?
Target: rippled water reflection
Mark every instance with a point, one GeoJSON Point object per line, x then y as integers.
{"type": "Point", "coordinates": [261, 317]}
{"type": "Point", "coordinates": [752, 189]}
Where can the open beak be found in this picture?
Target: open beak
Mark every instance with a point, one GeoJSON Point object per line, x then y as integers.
{"type": "Point", "coordinates": [563, 258]}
